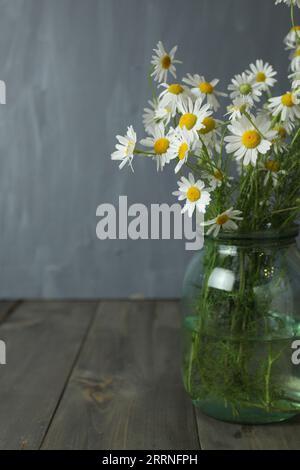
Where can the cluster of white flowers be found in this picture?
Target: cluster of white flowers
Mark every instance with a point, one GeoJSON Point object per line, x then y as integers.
{"type": "Point", "coordinates": [182, 127]}
{"type": "Point", "coordinates": [289, 2]}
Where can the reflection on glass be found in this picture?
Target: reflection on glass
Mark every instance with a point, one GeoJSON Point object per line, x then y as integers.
{"type": "Point", "coordinates": [222, 279]}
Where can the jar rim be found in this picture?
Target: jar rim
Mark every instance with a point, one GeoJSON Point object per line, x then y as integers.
{"type": "Point", "coordinates": [263, 235]}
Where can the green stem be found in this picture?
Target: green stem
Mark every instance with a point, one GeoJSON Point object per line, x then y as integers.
{"type": "Point", "coordinates": [295, 137]}
{"type": "Point", "coordinates": [151, 84]}
{"type": "Point", "coordinates": [143, 152]}
{"type": "Point", "coordinates": [289, 209]}
{"type": "Point", "coordinates": [253, 124]}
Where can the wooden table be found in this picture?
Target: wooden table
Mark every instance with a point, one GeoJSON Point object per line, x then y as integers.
{"type": "Point", "coordinates": [106, 375]}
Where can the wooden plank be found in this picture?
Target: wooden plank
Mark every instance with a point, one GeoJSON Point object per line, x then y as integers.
{"type": "Point", "coordinates": [217, 435]}
{"type": "Point", "coordinates": [43, 341]}
{"type": "Point", "coordinates": [126, 390]}
{"type": "Point", "coordinates": [6, 308]}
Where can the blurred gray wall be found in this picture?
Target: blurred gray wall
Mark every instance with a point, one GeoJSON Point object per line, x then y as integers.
{"type": "Point", "coordinates": [76, 74]}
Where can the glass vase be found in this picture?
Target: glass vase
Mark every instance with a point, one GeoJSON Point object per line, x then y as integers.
{"type": "Point", "coordinates": [241, 305]}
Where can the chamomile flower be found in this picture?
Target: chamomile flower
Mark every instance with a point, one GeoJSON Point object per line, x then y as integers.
{"type": "Point", "coordinates": [246, 142]}
{"type": "Point", "coordinates": [293, 37]}
{"type": "Point", "coordinates": [272, 170]}
{"type": "Point", "coordinates": [238, 107]}
{"type": "Point", "coordinates": [217, 179]}
{"type": "Point", "coordinates": [182, 144]}
{"type": "Point", "coordinates": [155, 115]}
{"type": "Point", "coordinates": [195, 194]}
{"type": "Point", "coordinates": [125, 148]}
{"type": "Point", "coordinates": [280, 141]}
{"type": "Point", "coordinates": [173, 95]}
{"type": "Point", "coordinates": [289, 2]}
{"type": "Point", "coordinates": [193, 115]}
{"type": "Point", "coordinates": [287, 106]}
{"type": "Point", "coordinates": [210, 134]}
{"type": "Point", "coordinates": [263, 74]}
{"type": "Point", "coordinates": [204, 89]}
{"type": "Point", "coordinates": [243, 86]}
{"type": "Point", "coordinates": [295, 77]}
{"type": "Point", "coordinates": [160, 145]}
{"type": "Point", "coordinates": [295, 64]}
{"type": "Point", "coordinates": [164, 63]}
{"type": "Point", "coordinates": [224, 221]}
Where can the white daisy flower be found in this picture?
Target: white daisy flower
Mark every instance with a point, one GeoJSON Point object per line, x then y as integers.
{"type": "Point", "coordinates": [295, 77]}
{"type": "Point", "coordinates": [282, 133]}
{"type": "Point", "coordinates": [289, 2]}
{"type": "Point", "coordinates": [173, 95]}
{"type": "Point", "coordinates": [204, 89]}
{"type": "Point", "coordinates": [125, 148]}
{"type": "Point", "coordinates": [295, 64]}
{"type": "Point", "coordinates": [243, 86]}
{"type": "Point", "coordinates": [224, 221]}
{"type": "Point", "coordinates": [193, 115]}
{"type": "Point", "coordinates": [287, 106]}
{"type": "Point", "coordinates": [182, 144]}
{"type": "Point", "coordinates": [163, 63]}
{"type": "Point", "coordinates": [263, 74]}
{"type": "Point", "coordinates": [155, 115]}
{"type": "Point", "coordinates": [195, 194]}
{"type": "Point", "coordinates": [293, 37]}
{"type": "Point", "coordinates": [272, 170]}
{"type": "Point", "coordinates": [160, 145]}
{"type": "Point", "coordinates": [246, 142]}
{"type": "Point", "coordinates": [210, 134]}
{"type": "Point", "coordinates": [218, 179]}
{"type": "Point", "coordinates": [238, 107]}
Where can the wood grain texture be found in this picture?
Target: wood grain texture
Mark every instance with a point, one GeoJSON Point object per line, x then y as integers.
{"type": "Point", "coordinates": [6, 308]}
{"type": "Point", "coordinates": [217, 435]}
{"type": "Point", "coordinates": [88, 375]}
{"type": "Point", "coordinates": [126, 391]}
{"type": "Point", "coordinates": [43, 341]}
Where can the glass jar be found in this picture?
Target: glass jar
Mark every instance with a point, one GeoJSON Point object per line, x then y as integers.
{"type": "Point", "coordinates": [241, 304]}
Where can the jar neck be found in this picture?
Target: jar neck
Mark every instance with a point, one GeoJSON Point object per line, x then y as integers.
{"type": "Point", "coordinates": [265, 238]}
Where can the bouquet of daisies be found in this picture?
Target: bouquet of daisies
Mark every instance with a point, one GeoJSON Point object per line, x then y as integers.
{"type": "Point", "coordinates": [242, 171]}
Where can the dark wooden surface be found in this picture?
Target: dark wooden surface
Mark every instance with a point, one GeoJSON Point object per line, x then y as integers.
{"type": "Point", "coordinates": [106, 375]}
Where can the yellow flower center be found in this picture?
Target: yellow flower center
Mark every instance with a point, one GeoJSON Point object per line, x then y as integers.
{"type": "Point", "coordinates": [183, 149]}
{"type": "Point", "coordinates": [175, 89]}
{"type": "Point", "coordinates": [210, 125]}
{"type": "Point", "coordinates": [297, 53]}
{"type": "Point", "coordinates": [166, 62]}
{"type": "Point", "coordinates": [188, 120]}
{"type": "Point", "coordinates": [161, 146]}
{"type": "Point", "coordinates": [295, 28]}
{"type": "Point", "coordinates": [193, 194]}
{"type": "Point", "coordinates": [287, 100]}
{"type": "Point", "coordinates": [218, 175]}
{"type": "Point", "coordinates": [251, 139]}
{"type": "Point", "coordinates": [206, 87]}
{"type": "Point", "coordinates": [261, 77]}
{"type": "Point", "coordinates": [273, 166]}
{"type": "Point", "coordinates": [222, 219]}
{"type": "Point", "coordinates": [281, 131]}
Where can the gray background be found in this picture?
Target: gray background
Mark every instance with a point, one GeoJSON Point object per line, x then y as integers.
{"type": "Point", "coordinates": [76, 74]}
